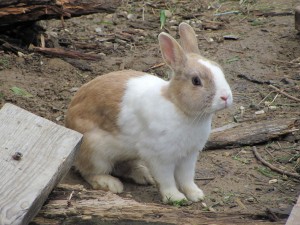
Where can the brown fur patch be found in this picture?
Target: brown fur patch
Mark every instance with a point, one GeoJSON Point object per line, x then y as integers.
{"type": "Point", "coordinates": [97, 103]}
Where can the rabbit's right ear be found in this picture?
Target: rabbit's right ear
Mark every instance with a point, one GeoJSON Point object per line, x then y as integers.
{"type": "Point", "coordinates": [188, 38]}
{"type": "Point", "coordinates": [171, 51]}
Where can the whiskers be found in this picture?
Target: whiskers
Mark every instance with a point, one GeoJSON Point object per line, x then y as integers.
{"type": "Point", "coordinates": [201, 115]}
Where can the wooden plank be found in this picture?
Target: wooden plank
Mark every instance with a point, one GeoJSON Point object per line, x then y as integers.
{"type": "Point", "coordinates": [72, 204]}
{"type": "Point", "coordinates": [252, 133]}
{"type": "Point", "coordinates": [294, 218]}
{"type": "Point", "coordinates": [48, 151]}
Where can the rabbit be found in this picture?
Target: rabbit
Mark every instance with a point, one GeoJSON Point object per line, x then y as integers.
{"type": "Point", "coordinates": [139, 126]}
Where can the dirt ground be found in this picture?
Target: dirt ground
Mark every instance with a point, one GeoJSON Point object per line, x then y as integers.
{"type": "Point", "coordinates": [264, 48]}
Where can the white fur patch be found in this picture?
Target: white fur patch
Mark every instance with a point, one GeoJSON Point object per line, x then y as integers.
{"type": "Point", "coordinates": [222, 87]}
{"type": "Point", "coordinates": [152, 125]}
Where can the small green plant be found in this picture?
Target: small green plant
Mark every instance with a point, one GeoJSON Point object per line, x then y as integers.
{"type": "Point", "coordinates": [177, 203]}
{"type": "Point", "coordinates": [240, 159]}
{"type": "Point", "coordinates": [228, 197]}
{"type": "Point", "coordinates": [233, 59]}
{"type": "Point", "coordinates": [265, 171]}
{"type": "Point", "coordinates": [162, 18]}
{"type": "Point", "coordinates": [21, 92]}
{"type": "Point", "coordinates": [4, 63]}
{"type": "Point", "coordinates": [258, 22]}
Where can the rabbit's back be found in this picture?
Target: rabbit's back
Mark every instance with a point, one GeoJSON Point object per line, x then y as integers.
{"type": "Point", "coordinates": [97, 103]}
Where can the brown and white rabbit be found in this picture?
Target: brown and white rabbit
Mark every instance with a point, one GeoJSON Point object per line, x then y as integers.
{"type": "Point", "coordinates": [139, 126]}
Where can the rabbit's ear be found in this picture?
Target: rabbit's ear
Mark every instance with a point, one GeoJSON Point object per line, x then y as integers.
{"type": "Point", "coordinates": [171, 51]}
{"type": "Point", "coordinates": [188, 38]}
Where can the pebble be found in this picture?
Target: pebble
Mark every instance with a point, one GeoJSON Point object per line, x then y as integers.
{"type": "Point", "coordinates": [204, 204]}
{"type": "Point", "coordinates": [128, 195]}
{"type": "Point", "coordinates": [173, 22]}
{"type": "Point", "coordinates": [215, 190]}
{"type": "Point", "coordinates": [59, 118]}
{"type": "Point", "coordinates": [21, 54]}
{"type": "Point", "coordinates": [131, 16]}
{"type": "Point", "coordinates": [273, 181]}
{"type": "Point", "coordinates": [250, 199]}
{"type": "Point", "coordinates": [73, 89]}
{"type": "Point", "coordinates": [259, 112]}
{"type": "Point", "coordinates": [99, 30]}
{"type": "Point", "coordinates": [272, 107]}
{"type": "Point", "coordinates": [226, 154]}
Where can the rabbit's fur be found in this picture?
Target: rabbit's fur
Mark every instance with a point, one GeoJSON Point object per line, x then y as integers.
{"type": "Point", "coordinates": [138, 126]}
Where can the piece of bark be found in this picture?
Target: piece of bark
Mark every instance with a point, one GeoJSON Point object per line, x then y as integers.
{"type": "Point", "coordinates": [99, 207]}
{"type": "Point", "coordinates": [254, 133]}
{"type": "Point", "coordinates": [14, 11]}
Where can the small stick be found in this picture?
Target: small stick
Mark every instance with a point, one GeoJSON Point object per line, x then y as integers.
{"type": "Point", "coordinates": [155, 66]}
{"type": "Point", "coordinates": [285, 94]}
{"type": "Point", "coordinates": [59, 52]}
{"type": "Point", "coordinates": [296, 175]}
{"type": "Point", "coordinates": [240, 203]}
{"type": "Point", "coordinates": [69, 199]}
{"type": "Point", "coordinates": [232, 50]}
{"type": "Point", "coordinates": [265, 98]}
{"type": "Point", "coordinates": [207, 178]}
{"type": "Point", "coordinates": [269, 153]}
{"type": "Point", "coordinates": [273, 99]}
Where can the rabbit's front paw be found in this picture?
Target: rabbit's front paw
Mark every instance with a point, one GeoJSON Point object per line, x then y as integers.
{"type": "Point", "coordinates": [106, 182]}
{"type": "Point", "coordinates": [194, 194]}
{"type": "Point", "coordinates": [173, 196]}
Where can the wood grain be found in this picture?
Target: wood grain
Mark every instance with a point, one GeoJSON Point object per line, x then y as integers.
{"type": "Point", "coordinates": [47, 154]}
{"type": "Point", "coordinates": [90, 207]}
{"type": "Point", "coordinates": [252, 133]}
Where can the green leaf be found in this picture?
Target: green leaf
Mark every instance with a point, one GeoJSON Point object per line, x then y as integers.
{"type": "Point", "coordinates": [21, 92]}
{"type": "Point", "coordinates": [162, 18]}
{"type": "Point", "coordinates": [233, 59]}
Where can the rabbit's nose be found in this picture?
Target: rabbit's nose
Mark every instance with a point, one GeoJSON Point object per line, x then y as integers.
{"type": "Point", "coordinates": [224, 98]}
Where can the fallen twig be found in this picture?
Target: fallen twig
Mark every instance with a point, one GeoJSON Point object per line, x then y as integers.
{"type": "Point", "coordinates": [66, 53]}
{"type": "Point", "coordinates": [204, 178]}
{"type": "Point", "coordinates": [251, 79]}
{"type": "Point", "coordinates": [267, 14]}
{"type": "Point", "coordinates": [69, 199]}
{"type": "Point", "coordinates": [232, 50]}
{"type": "Point", "coordinates": [257, 155]}
{"type": "Point", "coordinates": [227, 13]}
{"type": "Point", "coordinates": [284, 93]}
{"type": "Point", "coordinates": [154, 66]}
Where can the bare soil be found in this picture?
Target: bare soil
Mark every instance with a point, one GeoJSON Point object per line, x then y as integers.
{"type": "Point", "coordinates": [267, 50]}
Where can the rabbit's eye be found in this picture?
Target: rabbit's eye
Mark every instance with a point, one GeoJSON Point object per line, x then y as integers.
{"type": "Point", "coordinates": [196, 81]}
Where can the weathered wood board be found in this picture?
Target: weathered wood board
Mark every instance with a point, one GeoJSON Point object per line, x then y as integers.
{"type": "Point", "coordinates": [47, 152]}
{"type": "Point", "coordinates": [294, 218]}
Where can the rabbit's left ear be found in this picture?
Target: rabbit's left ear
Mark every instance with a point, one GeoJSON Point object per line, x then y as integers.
{"type": "Point", "coordinates": [188, 38]}
{"type": "Point", "coordinates": [171, 51]}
